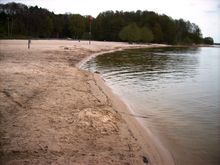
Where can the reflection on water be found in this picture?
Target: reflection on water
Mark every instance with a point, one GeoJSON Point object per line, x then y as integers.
{"type": "Point", "coordinates": [142, 66]}
{"type": "Point", "coordinates": [178, 89]}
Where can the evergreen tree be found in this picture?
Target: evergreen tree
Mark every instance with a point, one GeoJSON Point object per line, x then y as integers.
{"type": "Point", "coordinates": [19, 21]}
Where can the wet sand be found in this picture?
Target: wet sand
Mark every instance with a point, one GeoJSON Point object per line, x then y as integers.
{"type": "Point", "coordinates": [52, 112]}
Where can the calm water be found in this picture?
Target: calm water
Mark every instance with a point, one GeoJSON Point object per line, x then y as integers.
{"type": "Point", "coordinates": [178, 89]}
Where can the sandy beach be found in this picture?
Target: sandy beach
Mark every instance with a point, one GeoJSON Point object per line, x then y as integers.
{"type": "Point", "coordinates": [52, 112]}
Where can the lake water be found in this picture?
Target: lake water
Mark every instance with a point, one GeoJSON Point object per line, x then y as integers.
{"type": "Point", "coordinates": [178, 90]}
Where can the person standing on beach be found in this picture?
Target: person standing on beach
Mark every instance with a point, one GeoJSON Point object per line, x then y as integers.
{"type": "Point", "coordinates": [29, 43]}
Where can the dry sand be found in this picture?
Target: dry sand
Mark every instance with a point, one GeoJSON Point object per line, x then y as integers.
{"type": "Point", "coordinates": [52, 112]}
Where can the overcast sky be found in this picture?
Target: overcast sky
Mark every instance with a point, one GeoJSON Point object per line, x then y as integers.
{"type": "Point", "coordinates": [205, 13]}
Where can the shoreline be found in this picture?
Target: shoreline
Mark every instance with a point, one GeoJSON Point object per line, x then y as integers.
{"type": "Point", "coordinates": [152, 145]}
{"type": "Point", "coordinates": [157, 153]}
{"type": "Point", "coordinates": [53, 112]}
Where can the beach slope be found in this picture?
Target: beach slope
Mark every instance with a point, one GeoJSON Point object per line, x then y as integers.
{"type": "Point", "coordinates": [52, 112]}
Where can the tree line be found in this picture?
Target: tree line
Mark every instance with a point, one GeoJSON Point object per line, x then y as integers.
{"type": "Point", "coordinates": [20, 21]}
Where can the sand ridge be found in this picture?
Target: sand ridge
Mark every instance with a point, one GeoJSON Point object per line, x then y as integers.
{"type": "Point", "coordinates": [52, 112]}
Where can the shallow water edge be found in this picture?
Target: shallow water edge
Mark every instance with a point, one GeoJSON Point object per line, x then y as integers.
{"type": "Point", "coordinates": [153, 147]}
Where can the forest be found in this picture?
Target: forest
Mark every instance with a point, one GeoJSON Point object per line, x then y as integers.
{"type": "Point", "coordinates": [18, 21]}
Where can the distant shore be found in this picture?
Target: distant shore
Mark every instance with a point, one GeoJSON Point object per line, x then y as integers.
{"type": "Point", "coordinates": [51, 111]}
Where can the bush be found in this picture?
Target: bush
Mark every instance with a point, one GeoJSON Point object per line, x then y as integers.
{"type": "Point", "coordinates": [146, 35]}
{"type": "Point", "coordinates": [208, 40]}
{"type": "Point", "coordinates": [130, 33]}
